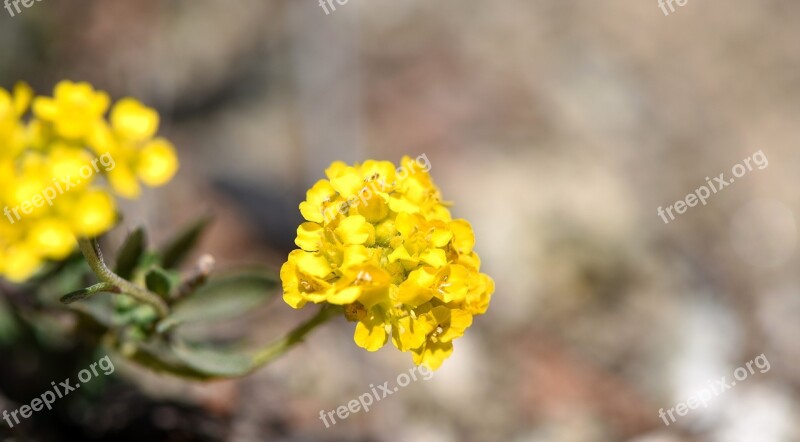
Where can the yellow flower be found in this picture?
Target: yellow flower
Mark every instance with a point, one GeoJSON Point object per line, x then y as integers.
{"type": "Point", "coordinates": [93, 213]}
{"type": "Point", "coordinates": [58, 168]}
{"type": "Point", "coordinates": [133, 121]}
{"type": "Point", "coordinates": [157, 163]}
{"type": "Point", "coordinates": [53, 237]}
{"type": "Point", "coordinates": [74, 110]}
{"type": "Point", "coordinates": [19, 263]}
{"type": "Point", "coordinates": [380, 242]}
{"type": "Point", "coordinates": [12, 107]}
{"type": "Point", "coordinates": [137, 156]}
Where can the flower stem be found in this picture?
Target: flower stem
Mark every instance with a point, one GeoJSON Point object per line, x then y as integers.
{"type": "Point", "coordinates": [91, 251]}
{"type": "Point", "coordinates": [294, 337]}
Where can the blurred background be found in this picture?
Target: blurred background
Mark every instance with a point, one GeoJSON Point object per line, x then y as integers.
{"type": "Point", "coordinates": [557, 127]}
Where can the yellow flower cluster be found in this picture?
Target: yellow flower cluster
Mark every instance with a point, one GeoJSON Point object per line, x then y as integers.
{"type": "Point", "coordinates": [381, 243]}
{"type": "Point", "coordinates": [52, 162]}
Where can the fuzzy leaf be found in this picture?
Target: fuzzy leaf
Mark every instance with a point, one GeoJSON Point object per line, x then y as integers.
{"type": "Point", "coordinates": [214, 362]}
{"type": "Point", "coordinates": [159, 281]}
{"type": "Point", "coordinates": [222, 298]}
{"type": "Point", "coordinates": [180, 246]}
{"type": "Point", "coordinates": [88, 291]}
{"type": "Point", "coordinates": [131, 253]}
{"type": "Point", "coordinates": [190, 361]}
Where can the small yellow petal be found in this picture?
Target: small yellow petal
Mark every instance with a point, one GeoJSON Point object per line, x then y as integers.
{"type": "Point", "coordinates": [93, 214]}
{"type": "Point", "coordinates": [309, 237]}
{"type": "Point", "coordinates": [23, 95]}
{"type": "Point", "coordinates": [402, 205]}
{"type": "Point", "coordinates": [124, 182]}
{"type": "Point", "coordinates": [370, 335]}
{"type": "Point", "coordinates": [432, 355]}
{"type": "Point", "coordinates": [355, 255]}
{"type": "Point", "coordinates": [408, 333]}
{"type": "Point", "coordinates": [21, 263]}
{"type": "Point", "coordinates": [434, 257]}
{"type": "Point", "coordinates": [460, 320]}
{"type": "Point", "coordinates": [399, 253]}
{"type": "Point", "coordinates": [354, 230]}
{"type": "Point", "coordinates": [311, 212]}
{"type": "Point", "coordinates": [291, 291]}
{"type": "Point", "coordinates": [313, 264]}
{"type": "Point", "coordinates": [336, 168]}
{"type": "Point", "coordinates": [345, 296]}
{"type": "Point", "coordinates": [53, 238]}
{"type": "Point", "coordinates": [416, 290]}
{"type": "Point", "coordinates": [347, 181]}
{"type": "Point", "coordinates": [440, 237]}
{"type": "Point", "coordinates": [463, 238]}
{"type": "Point", "coordinates": [45, 108]}
{"type": "Point", "coordinates": [134, 121]}
{"type": "Point", "coordinates": [157, 162]}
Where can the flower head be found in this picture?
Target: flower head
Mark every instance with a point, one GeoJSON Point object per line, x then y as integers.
{"type": "Point", "coordinates": [380, 242]}
{"type": "Point", "coordinates": [74, 109]}
{"type": "Point", "coordinates": [129, 137]}
{"type": "Point", "coordinates": [60, 167]}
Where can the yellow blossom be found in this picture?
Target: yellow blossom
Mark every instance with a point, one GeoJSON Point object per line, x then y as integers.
{"type": "Point", "coordinates": [61, 160]}
{"type": "Point", "coordinates": [74, 109]}
{"type": "Point", "coordinates": [157, 162]}
{"type": "Point", "coordinates": [380, 242]}
{"type": "Point", "coordinates": [128, 138]}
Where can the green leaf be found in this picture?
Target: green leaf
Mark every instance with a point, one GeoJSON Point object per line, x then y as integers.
{"type": "Point", "coordinates": [180, 247]}
{"type": "Point", "coordinates": [159, 281]}
{"type": "Point", "coordinates": [214, 362]}
{"type": "Point", "coordinates": [130, 255]}
{"type": "Point", "coordinates": [160, 358]}
{"type": "Point", "coordinates": [99, 311]}
{"type": "Point", "coordinates": [223, 297]}
{"type": "Point", "coordinates": [76, 296]}
{"type": "Point", "coordinates": [189, 361]}
{"type": "Point", "coordinates": [144, 314]}
{"type": "Point", "coordinates": [89, 291]}
{"type": "Point", "coordinates": [9, 328]}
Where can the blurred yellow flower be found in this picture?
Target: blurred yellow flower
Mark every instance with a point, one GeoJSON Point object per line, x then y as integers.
{"type": "Point", "coordinates": [60, 166]}
{"type": "Point", "coordinates": [12, 107]}
{"type": "Point", "coordinates": [138, 156]}
{"type": "Point", "coordinates": [380, 242]}
{"type": "Point", "coordinates": [157, 162]}
{"type": "Point", "coordinates": [74, 110]}
{"type": "Point", "coordinates": [133, 121]}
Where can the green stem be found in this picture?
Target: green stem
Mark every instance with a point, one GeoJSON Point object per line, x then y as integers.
{"type": "Point", "coordinates": [283, 345]}
{"type": "Point", "coordinates": [91, 251]}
